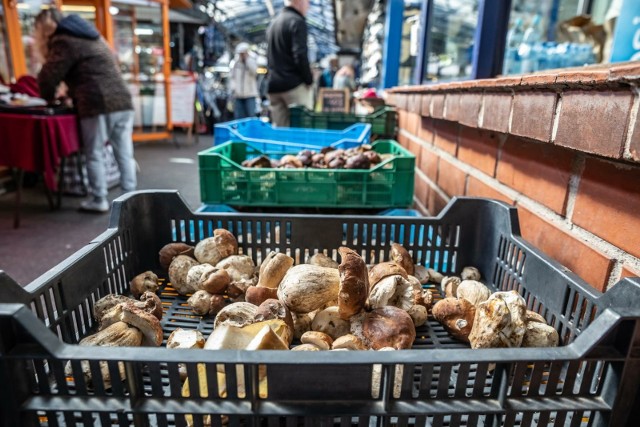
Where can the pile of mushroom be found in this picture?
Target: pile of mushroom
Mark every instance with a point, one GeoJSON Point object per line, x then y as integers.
{"type": "Point", "coordinates": [360, 157]}
{"type": "Point", "coordinates": [472, 314]}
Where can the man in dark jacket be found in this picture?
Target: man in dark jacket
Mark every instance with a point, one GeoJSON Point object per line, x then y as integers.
{"type": "Point", "coordinates": [76, 54]}
{"type": "Point", "coordinates": [290, 74]}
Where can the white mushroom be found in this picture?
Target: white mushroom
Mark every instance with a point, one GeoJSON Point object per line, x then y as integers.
{"type": "Point", "coordinates": [330, 322]}
{"type": "Point", "coordinates": [392, 291]}
{"type": "Point", "coordinates": [348, 342]}
{"type": "Point", "coordinates": [319, 339]}
{"type": "Point", "coordinates": [185, 338]}
{"type": "Point", "coordinates": [473, 291]}
{"type": "Point", "coordinates": [237, 314]}
{"type": "Point", "coordinates": [213, 249]}
{"type": "Point", "coordinates": [308, 287]}
{"type": "Point", "coordinates": [470, 273]}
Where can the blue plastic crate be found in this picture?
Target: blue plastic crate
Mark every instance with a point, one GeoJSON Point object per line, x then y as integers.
{"type": "Point", "coordinates": [269, 139]}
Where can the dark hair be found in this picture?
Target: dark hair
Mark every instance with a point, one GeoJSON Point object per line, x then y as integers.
{"type": "Point", "coordinates": [52, 13]}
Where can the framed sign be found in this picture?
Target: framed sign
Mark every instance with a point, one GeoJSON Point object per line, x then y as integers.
{"type": "Point", "coordinates": [183, 98]}
{"type": "Point", "coordinates": [334, 100]}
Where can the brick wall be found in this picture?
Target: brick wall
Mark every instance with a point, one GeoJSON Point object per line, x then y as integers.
{"type": "Point", "coordinates": [563, 147]}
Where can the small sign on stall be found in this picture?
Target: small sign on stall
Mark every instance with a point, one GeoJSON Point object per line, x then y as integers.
{"type": "Point", "coordinates": [334, 100]}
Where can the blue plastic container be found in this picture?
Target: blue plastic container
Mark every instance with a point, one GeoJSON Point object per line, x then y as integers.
{"type": "Point", "coordinates": [269, 139]}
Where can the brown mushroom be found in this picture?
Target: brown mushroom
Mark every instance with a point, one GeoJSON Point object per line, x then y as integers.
{"type": "Point", "coordinates": [214, 280]}
{"type": "Point", "coordinates": [308, 287]}
{"type": "Point", "coordinates": [348, 342]}
{"type": "Point", "coordinates": [143, 282]}
{"type": "Point", "coordinates": [499, 321]}
{"type": "Point", "coordinates": [274, 309]}
{"type": "Point", "coordinates": [178, 272]}
{"type": "Point", "coordinates": [148, 324]}
{"type": "Point", "coordinates": [354, 283]}
{"type": "Point", "coordinates": [151, 303]}
{"type": "Point", "coordinates": [290, 161]}
{"type": "Point", "coordinates": [237, 314]}
{"type": "Point", "coordinates": [106, 303]}
{"type": "Point", "coordinates": [359, 161]}
{"type": "Point", "coordinates": [205, 304]}
{"type": "Point", "coordinates": [257, 162]}
{"type": "Point", "coordinates": [273, 269]}
{"type": "Point", "coordinates": [456, 315]}
{"type": "Point", "coordinates": [216, 248]}
{"type": "Point", "coordinates": [305, 347]}
{"type": "Point", "coordinates": [473, 291]}
{"type": "Point", "coordinates": [470, 273]}
{"type": "Point", "coordinates": [389, 327]}
{"type": "Point", "coordinates": [330, 322]}
{"type": "Point", "coordinates": [172, 250]}
{"type": "Point", "coordinates": [319, 339]}
{"type": "Point", "coordinates": [449, 286]}
{"type": "Point", "coordinates": [384, 269]}
{"type": "Point", "coordinates": [401, 256]}
{"type": "Point", "coordinates": [322, 260]}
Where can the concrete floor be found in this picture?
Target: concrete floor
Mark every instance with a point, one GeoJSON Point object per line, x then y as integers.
{"type": "Point", "coordinates": [45, 237]}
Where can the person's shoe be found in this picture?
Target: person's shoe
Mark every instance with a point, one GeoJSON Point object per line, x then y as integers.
{"type": "Point", "coordinates": [98, 205]}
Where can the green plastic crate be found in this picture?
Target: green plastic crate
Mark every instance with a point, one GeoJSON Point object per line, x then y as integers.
{"type": "Point", "coordinates": [224, 180]}
{"type": "Point", "coordinates": [384, 121]}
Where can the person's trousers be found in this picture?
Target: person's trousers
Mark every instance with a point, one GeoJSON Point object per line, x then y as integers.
{"type": "Point", "coordinates": [117, 128]}
{"type": "Point", "coordinates": [244, 107]}
{"type": "Point", "coordinates": [301, 95]}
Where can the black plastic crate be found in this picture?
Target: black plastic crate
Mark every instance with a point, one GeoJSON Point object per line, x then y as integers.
{"type": "Point", "coordinates": [592, 380]}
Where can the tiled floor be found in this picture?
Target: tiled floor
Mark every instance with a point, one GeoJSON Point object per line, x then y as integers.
{"type": "Point", "coordinates": [47, 237]}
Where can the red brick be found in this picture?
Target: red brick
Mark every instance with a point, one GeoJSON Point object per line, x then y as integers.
{"type": "Point", "coordinates": [608, 202]}
{"type": "Point", "coordinates": [540, 171]}
{"type": "Point", "coordinates": [591, 265]}
{"type": "Point", "coordinates": [415, 148]}
{"type": "Point", "coordinates": [437, 106]}
{"type": "Point", "coordinates": [435, 202]}
{"type": "Point", "coordinates": [508, 81]}
{"type": "Point", "coordinates": [477, 188]}
{"type": "Point", "coordinates": [402, 119]}
{"type": "Point", "coordinates": [403, 140]}
{"type": "Point", "coordinates": [479, 148]}
{"type": "Point", "coordinates": [427, 130]}
{"type": "Point", "coordinates": [588, 76]}
{"type": "Point", "coordinates": [412, 123]}
{"type": "Point", "coordinates": [425, 108]}
{"type": "Point", "coordinates": [451, 179]}
{"type": "Point", "coordinates": [628, 70]}
{"type": "Point", "coordinates": [533, 113]}
{"type": "Point", "coordinates": [497, 108]}
{"type": "Point", "coordinates": [452, 107]}
{"type": "Point", "coordinates": [469, 109]}
{"type": "Point", "coordinates": [429, 163]}
{"type": "Point", "coordinates": [414, 105]}
{"type": "Point", "coordinates": [446, 136]}
{"type": "Point", "coordinates": [420, 189]}
{"type": "Point", "coordinates": [542, 79]}
{"type": "Point", "coordinates": [401, 101]}
{"type": "Point", "coordinates": [594, 121]}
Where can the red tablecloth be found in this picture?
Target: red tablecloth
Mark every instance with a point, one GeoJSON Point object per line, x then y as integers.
{"type": "Point", "coordinates": [37, 143]}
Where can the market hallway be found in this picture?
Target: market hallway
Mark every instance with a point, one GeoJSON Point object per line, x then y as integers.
{"type": "Point", "coordinates": [45, 238]}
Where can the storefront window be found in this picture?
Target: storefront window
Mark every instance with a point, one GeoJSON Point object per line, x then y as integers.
{"type": "Point", "coordinates": [27, 11]}
{"type": "Point", "coordinates": [138, 41]}
{"type": "Point", "coordinates": [450, 40]}
{"type": "Point", "coordinates": [410, 35]}
{"type": "Point", "coordinates": [5, 64]}
{"type": "Point", "coordinates": [550, 34]}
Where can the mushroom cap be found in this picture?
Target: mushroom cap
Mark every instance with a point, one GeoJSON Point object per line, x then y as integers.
{"type": "Point", "coordinates": [322, 260]}
{"type": "Point", "coordinates": [213, 249]}
{"type": "Point", "coordinates": [106, 303]}
{"type": "Point", "coordinates": [200, 302]}
{"type": "Point", "coordinates": [389, 327]}
{"type": "Point", "coordinates": [172, 250]}
{"type": "Point", "coordinates": [319, 339]}
{"type": "Point", "coordinates": [384, 269]}
{"type": "Point", "coordinates": [185, 338]}
{"type": "Point", "coordinates": [143, 282]}
{"type": "Point", "coordinates": [214, 280]}
{"type": "Point", "coordinates": [273, 269]}
{"type": "Point", "coordinates": [178, 273]}
{"type": "Point", "coordinates": [354, 283]}
{"type": "Point", "coordinates": [330, 322]}
{"type": "Point", "coordinates": [470, 273]}
{"type": "Point", "coordinates": [195, 273]}
{"type": "Point", "coordinates": [540, 335]}
{"type": "Point", "coordinates": [274, 309]}
{"type": "Point", "coordinates": [456, 315]}
{"type": "Point", "coordinates": [392, 290]}
{"type": "Point", "coordinates": [449, 286]}
{"type": "Point", "coordinates": [400, 256]}
{"type": "Point", "coordinates": [306, 287]}
{"type": "Point", "coordinates": [152, 304]}
{"type": "Point", "coordinates": [118, 334]}
{"type": "Point", "coordinates": [473, 291]}
{"type": "Point", "coordinates": [148, 324]}
{"type": "Point", "coordinates": [532, 316]}
{"type": "Point", "coordinates": [499, 321]}
{"type": "Point", "coordinates": [434, 276]}
{"type": "Point", "coordinates": [237, 314]}
{"type": "Point", "coordinates": [305, 347]}
{"type": "Point", "coordinates": [348, 342]}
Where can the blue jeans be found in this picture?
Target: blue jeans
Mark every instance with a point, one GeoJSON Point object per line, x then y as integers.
{"type": "Point", "coordinates": [117, 128]}
{"type": "Point", "coordinates": [244, 107]}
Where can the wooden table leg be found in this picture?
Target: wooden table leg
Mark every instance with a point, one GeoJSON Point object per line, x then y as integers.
{"type": "Point", "coordinates": [16, 215]}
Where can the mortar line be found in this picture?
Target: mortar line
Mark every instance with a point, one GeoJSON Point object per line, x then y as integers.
{"type": "Point", "coordinates": [556, 117]}
{"type": "Point", "coordinates": [577, 168]}
{"type": "Point", "coordinates": [633, 118]}
{"type": "Point", "coordinates": [615, 275]}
